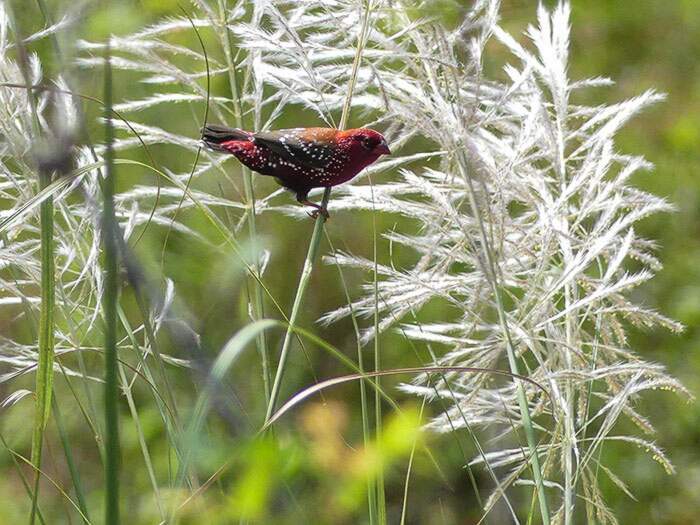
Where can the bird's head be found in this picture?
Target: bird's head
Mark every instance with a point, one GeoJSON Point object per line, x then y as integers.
{"type": "Point", "coordinates": [364, 143]}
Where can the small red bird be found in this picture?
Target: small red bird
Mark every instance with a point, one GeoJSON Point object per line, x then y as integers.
{"type": "Point", "coordinates": [301, 158]}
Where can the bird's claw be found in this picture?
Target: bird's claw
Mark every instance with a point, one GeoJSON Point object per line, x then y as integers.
{"type": "Point", "coordinates": [317, 209]}
{"type": "Point", "coordinates": [322, 211]}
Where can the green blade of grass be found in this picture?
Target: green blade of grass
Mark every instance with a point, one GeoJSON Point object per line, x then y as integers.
{"type": "Point", "coordinates": [74, 472]}
{"type": "Point", "coordinates": [491, 271]}
{"type": "Point", "coordinates": [381, 495]}
{"type": "Point", "coordinates": [364, 406]}
{"type": "Point", "coordinates": [111, 291]}
{"type": "Point", "coordinates": [44, 375]}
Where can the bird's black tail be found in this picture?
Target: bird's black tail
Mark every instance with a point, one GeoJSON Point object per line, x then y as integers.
{"type": "Point", "coordinates": [214, 135]}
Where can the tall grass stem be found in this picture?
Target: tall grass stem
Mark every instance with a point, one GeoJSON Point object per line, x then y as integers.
{"type": "Point", "coordinates": [44, 375]}
{"type": "Point", "coordinates": [110, 299]}
{"type": "Point", "coordinates": [317, 232]}
{"type": "Point", "coordinates": [364, 405]}
{"type": "Point", "coordinates": [490, 270]}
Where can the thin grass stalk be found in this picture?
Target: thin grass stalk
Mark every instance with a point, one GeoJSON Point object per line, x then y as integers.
{"type": "Point", "coordinates": [569, 298]}
{"type": "Point", "coordinates": [44, 375]}
{"type": "Point", "coordinates": [381, 496]}
{"type": "Point", "coordinates": [167, 413]}
{"type": "Point", "coordinates": [409, 467]}
{"type": "Point", "coordinates": [58, 419]}
{"type": "Point", "coordinates": [364, 407]}
{"type": "Point", "coordinates": [470, 431]}
{"type": "Point", "coordinates": [166, 403]}
{"type": "Point", "coordinates": [589, 397]}
{"type": "Point", "coordinates": [74, 472]}
{"type": "Point", "coordinates": [91, 420]}
{"type": "Point", "coordinates": [22, 477]}
{"type": "Point", "coordinates": [489, 267]}
{"type": "Point", "coordinates": [569, 423]}
{"type": "Point", "coordinates": [258, 305]}
{"type": "Point", "coordinates": [379, 485]}
{"type": "Point", "coordinates": [111, 291]}
{"type": "Point", "coordinates": [168, 406]}
{"type": "Point", "coordinates": [316, 235]}
{"type": "Point", "coordinates": [142, 441]}
{"type": "Point", "coordinates": [32, 492]}
{"type": "Point", "coordinates": [298, 299]}
{"type": "Point", "coordinates": [468, 427]}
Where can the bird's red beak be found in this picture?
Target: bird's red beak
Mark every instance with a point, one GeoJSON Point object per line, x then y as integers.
{"type": "Point", "coordinates": [383, 148]}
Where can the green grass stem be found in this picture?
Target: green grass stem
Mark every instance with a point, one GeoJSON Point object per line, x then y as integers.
{"type": "Point", "coordinates": [296, 307]}
{"type": "Point", "coordinates": [381, 495]}
{"type": "Point", "coordinates": [364, 405]}
{"type": "Point", "coordinates": [110, 299]}
{"type": "Point", "coordinates": [74, 472]}
{"type": "Point", "coordinates": [44, 375]}
{"type": "Point", "coordinates": [490, 269]}
{"type": "Point", "coordinates": [317, 232]}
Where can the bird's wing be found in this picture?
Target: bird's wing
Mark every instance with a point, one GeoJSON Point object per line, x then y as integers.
{"type": "Point", "coordinates": [214, 134]}
{"type": "Point", "coordinates": [311, 147]}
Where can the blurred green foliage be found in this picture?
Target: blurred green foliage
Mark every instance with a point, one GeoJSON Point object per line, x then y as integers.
{"type": "Point", "coordinates": [315, 472]}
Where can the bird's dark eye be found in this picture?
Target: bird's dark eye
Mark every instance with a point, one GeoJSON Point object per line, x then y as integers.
{"type": "Point", "coordinates": [369, 143]}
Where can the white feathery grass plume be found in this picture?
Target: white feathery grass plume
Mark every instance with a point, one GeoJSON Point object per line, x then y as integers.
{"type": "Point", "coordinates": [302, 50]}
{"type": "Point", "coordinates": [558, 214]}
{"type": "Point", "coordinates": [554, 221]}
{"type": "Point", "coordinates": [76, 219]}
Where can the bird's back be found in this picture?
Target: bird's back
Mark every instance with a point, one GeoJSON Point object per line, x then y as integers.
{"type": "Point", "coordinates": [298, 157]}
{"type": "Point", "coordinates": [301, 158]}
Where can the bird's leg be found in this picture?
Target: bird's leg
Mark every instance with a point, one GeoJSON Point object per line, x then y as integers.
{"type": "Point", "coordinates": [302, 198]}
{"type": "Point", "coordinates": [319, 209]}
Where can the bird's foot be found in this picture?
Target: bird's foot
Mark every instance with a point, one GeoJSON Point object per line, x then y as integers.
{"type": "Point", "coordinates": [320, 210]}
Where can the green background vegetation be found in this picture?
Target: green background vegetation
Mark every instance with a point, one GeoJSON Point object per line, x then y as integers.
{"type": "Point", "coordinates": [317, 474]}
